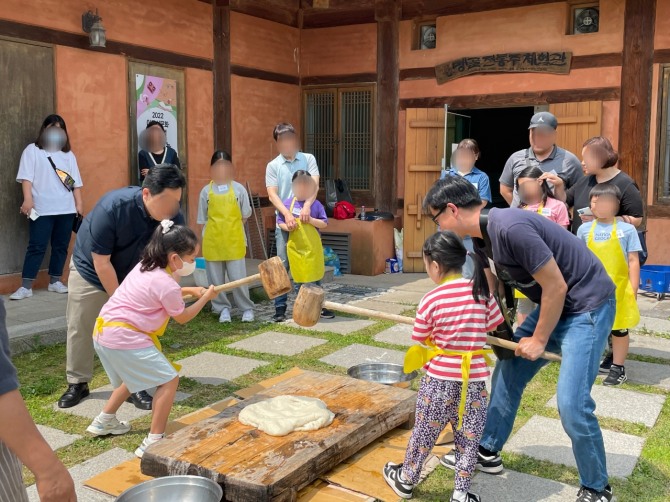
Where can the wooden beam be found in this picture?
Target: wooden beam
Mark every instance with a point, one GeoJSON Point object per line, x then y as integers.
{"type": "Point", "coordinates": [353, 78]}
{"type": "Point", "coordinates": [324, 18]}
{"type": "Point", "coordinates": [636, 82]}
{"type": "Point", "coordinates": [244, 71]}
{"type": "Point", "coordinates": [279, 11]}
{"type": "Point", "coordinates": [57, 37]}
{"type": "Point", "coordinates": [662, 56]}
{"type": "Point", "coordinates": [387, 14]}
{"type": "Point", "coordinates": [514, 99]}
{"type": "Point", "coordinates": [223, 122]}
{"type": "Point", "coordinates": [416, 8]}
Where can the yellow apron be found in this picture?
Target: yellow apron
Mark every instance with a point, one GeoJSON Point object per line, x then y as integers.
{"type": "Point", "coordinates": [518, 294]}
{"type": "Point", "coordinates": [305, 252]}
{"type": "Point", "coordinates": [418, 356]}
{"type": "Point", "coordinates": [224, 233]}
{"type": "Point", "coordinates": [611, 255]}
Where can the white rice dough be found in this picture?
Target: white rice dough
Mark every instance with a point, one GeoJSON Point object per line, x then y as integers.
{"type": "Point", "coordinates": [282, 415]}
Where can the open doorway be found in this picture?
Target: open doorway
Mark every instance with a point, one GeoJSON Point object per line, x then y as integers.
{"type": "Point", "coordinates": [499, 132]}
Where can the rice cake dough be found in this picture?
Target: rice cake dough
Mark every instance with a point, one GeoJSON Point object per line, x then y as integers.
{"type": "Point", "coordinates": [282, 415]}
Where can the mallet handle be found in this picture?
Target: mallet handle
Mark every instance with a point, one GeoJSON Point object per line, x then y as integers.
{"type": "Point", "coordinates": [491, 340]}
{"type": "Point", "coordinates": [230, 285]}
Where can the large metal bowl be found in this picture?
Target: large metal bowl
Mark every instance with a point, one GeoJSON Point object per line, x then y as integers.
{"type": "Point", "coordinates": [384, 373]}
{"type": "Point", "coordinates": [174, 489]}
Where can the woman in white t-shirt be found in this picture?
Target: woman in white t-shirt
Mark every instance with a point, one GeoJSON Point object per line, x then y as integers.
{"type": "Point", "coordinates": [51, 184]}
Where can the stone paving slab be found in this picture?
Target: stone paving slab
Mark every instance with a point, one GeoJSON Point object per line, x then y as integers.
{"type": "Point", "coordinates": [381, 306]}
{"type": "Point", "coordinates": [216, 369]}
{"type": "Point", "coordinates": [339, 325]}
{"type": "Point", "coordinates": [93, 404]}
{"type": "Point", "coordinates": [654, 324]}
{"type": "Point", "coordinates": [649, 373]}
{"type": "Point", "coordinates": [639, 407]}
{"type": "Point", "coordinates": [273, 342]}
{"type": "Point", "coordinates": [402, 297]}
{"type": "Point", "coordinates": [88, 469]}
{"type": "Point", "coordinates": [358, 354]}
{"type": "Point", "coordinates": [400, 334]}
{"type": "Point", "coordinates": [652, 346]}
{"type": "Point", "coordinates": [544, 439]}
{"type": "Point", "coordinates": [57, 438]}
{"type": "Point", "coordinates": [511, 486]}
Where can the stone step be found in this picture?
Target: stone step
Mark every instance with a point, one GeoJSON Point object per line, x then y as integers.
{"type": "Point", "coordinates": [512, 486]}
{"type": "Point", "coordinates": [654, 324]}
{"type": "Point", "coordinates": [657, 375]}
{"type": "Point", "coordinates": [273, 342]}
{"type": "Point", "coordinates": [652, 346]}
{"type": "Point", "coordinates": [358, 354]}
{"type": "Point", "coordinates": [217, 369]}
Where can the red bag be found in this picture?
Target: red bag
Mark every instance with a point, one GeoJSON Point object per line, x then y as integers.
{"type": "Point", "coordinates": [344, 210]}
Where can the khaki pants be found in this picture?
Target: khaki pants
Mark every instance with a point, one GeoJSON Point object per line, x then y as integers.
{"type": "Point", "coordinates": [11, 477]}
{"type": "Point", "coordinates": [84, 302]}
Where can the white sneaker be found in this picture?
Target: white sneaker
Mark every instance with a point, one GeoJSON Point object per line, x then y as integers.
{"type": "Point", "coordinates": [225, 316]}
{"type": "Point", "coordinates": [146, 442]}
{"type": "Point", "coordinates": [57, 287]}
{"type": "Point", "coordinates": [248, 316]}
{"type": "Point", "coordinates": [21, 294]}
{"type": "Point", "coordinates": [101, 427]}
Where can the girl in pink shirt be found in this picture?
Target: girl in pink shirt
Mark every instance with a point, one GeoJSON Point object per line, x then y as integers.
{"type": "Point", "coordinates": [127, 330]}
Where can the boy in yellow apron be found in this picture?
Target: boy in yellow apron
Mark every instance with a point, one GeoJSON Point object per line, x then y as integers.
{"type": "Point", "coordinates": [304, 249]}
{"type": "Point", "coordinates": [616, 244]}
{"type": "Point", "coordinates": [222, 209]}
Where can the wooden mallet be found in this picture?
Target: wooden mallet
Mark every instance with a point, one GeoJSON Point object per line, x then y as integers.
{"type": "Point", "coordinates": [311, 299]}
{"type": "Point", "coordinates": [272, 275]}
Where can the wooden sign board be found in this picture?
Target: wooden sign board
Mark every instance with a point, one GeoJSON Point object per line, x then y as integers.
{"type": "Point", "coordinates": [511, 62]}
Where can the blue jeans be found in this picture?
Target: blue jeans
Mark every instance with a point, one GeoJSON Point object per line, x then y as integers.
{"type": "Point", "coordinates": [581, 339]}
{"type": "Point", "coordinates": [56, 229]}
{"type": "Point", "coordinates": [281, 238]}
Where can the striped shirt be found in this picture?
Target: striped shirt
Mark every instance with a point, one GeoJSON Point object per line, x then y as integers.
{"type": "Point", "coordinates": [454, 320]}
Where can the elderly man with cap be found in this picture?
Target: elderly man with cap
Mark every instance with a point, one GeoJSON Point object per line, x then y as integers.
{"type": "Point", "coordinates": [543, 153]}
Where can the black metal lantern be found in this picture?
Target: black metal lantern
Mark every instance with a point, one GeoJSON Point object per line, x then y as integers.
{"type": "Point", "coordinates": [92, 24]}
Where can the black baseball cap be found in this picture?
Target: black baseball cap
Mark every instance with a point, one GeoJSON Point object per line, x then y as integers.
{"type": "Point", "coordinates": [543, 119]}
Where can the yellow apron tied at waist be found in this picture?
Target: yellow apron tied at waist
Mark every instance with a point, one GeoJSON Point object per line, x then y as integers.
{"type": "Point", "coordinates": [305, 252]}
{"type": "Point", "coordinates": [418, 356]}
{"type": "Point", "coordinates": [100, 323]}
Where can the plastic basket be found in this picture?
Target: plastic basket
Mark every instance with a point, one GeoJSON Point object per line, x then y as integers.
{"type": "Point", "coordinates": [655, 279]}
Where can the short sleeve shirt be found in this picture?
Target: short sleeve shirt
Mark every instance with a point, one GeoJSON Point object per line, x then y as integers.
{"type": "Point", "coordinates": [118, 226]}
{"type": "Point", "coordinates": [279, 172]}
{"type": "Point", "coordinates": [553, 209]}
{"type": "Point", "coordinates": [560, 161]}
{"type": "Point", "coordinates": [240, 194]}
{"type": "Point", "coordinates": [8, 379]}
{"type": "Point", "coordinates": [625, 233]}
{"type": "Point", "coordinates": [316, 210]}
{"type": "Point", "coordinates": [523, 242]}
{"type": "Point", "coordinates": [477, 177]}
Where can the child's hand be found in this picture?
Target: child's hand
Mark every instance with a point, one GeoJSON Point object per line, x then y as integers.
{"type": "Point", "coordinates": [210, 293]}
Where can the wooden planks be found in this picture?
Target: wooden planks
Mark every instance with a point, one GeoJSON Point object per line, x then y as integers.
{"type": "Point", "coordinates": [253, 466]}
{"type": "Point", "coordinates": [577, 122]}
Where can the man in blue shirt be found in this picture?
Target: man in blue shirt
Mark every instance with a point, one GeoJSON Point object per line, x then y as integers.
{"type": "Point", "coordinates": [109, 244]}
{"type": "Point", "coordinates": [463, 164]}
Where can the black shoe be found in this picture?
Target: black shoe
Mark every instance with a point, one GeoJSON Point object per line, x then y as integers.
{"type": "Point", "coordinates": [489, 464]}
{"type": "Point", "coordinates": [606, 364]}
{"type": "Point", "coordinates": [587, 495]}
{"type": "Point", "coordinates": [280, 314]}
{"type": "Point", "coordinates": [391, 473]}
{"type": "Point", "coordinates": [327, 314]}
{"type": "Point", "coordinates": [142, 400]}
{"type": "Point", "coordinates": [73, 395]}
{"type": "Point", "coordinates": [616, 376]}
{"type": "Point", "coordinates": [469, 497]}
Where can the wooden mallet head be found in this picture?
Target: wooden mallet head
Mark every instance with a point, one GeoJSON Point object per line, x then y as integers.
{"type": "Point", "coordinates": [308, 305]}
{"type": "Point", "coordinates": [274, 277]}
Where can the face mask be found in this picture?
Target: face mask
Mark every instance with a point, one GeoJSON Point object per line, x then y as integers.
{"type": "Point", "coordinates": [54, 139]}
{"type": "Point", "coordinates": [186, 268]}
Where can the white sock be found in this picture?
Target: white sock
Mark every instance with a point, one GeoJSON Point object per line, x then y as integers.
{"type": "Point", "coordinates": [460, 496]}
{"type": "Point", "coordinates": [155, 437]}
{"type": "Point", "coordinates": [107, 417]}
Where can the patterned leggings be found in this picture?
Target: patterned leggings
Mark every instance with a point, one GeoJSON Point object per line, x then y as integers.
{"type": "Point", "coordinates": [436, 405]}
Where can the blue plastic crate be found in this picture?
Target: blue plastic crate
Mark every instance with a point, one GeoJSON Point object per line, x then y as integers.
{"type": "Point", "coordinates": [655, 279]}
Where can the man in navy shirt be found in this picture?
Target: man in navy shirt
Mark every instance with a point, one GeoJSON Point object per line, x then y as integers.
{"type": "Point", "coordinates": [108, 245]}
{"type": "Point", "coordinates": [576, 312]}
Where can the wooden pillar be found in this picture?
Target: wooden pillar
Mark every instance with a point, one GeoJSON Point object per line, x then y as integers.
{"type": "Point", "coordinates": [221, 75]}
{"type": "Point", "coordinates": [636, 81]}
{"type": "Point", "coordinates": [387, 15]}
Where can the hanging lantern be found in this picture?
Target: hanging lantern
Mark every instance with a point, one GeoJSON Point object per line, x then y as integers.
{"type": "Point", "coordinates": [92, 24]}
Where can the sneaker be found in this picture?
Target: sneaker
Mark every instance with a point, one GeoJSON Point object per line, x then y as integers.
{"type": "Point", "coordinates": [327, 314]}
{"type": "Point", "coordinates": [57, 287]}
{"type": "Point", "coordinates": [224, 316]}
{"type": "Point", "coordinates": [587, 495]}
{"type": "Point", "coordinates": [392, 474]}
{"type": "Point", "coordinates": [101, 427]}
{"type": "Point", "coordinates": [616, 376]}
{"type": "Point", "coordinates": [488, 464]}
{"type": "Point", "coordinates": [280, 314]}
{"type": "Point", "coordinates": [146, 442]}
{"type": "Point", "coordinates": [469, 497]}
{"type": "Point", "coordinates": [21, 294]}
{"type": "Point", "coordinates": [248, 316]}
{"type": "Point", "coordinates": [606, 364]}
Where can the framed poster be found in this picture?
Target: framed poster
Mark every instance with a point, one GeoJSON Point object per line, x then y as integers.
{"type": "Point", "coordinates": [156, 100]}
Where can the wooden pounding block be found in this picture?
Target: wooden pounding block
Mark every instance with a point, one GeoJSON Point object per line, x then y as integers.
{"type": "Point", "coordinates": [251, 465]}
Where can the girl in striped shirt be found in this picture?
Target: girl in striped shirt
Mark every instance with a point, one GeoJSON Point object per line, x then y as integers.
{"type": "Point", "coordinates": [452, 320]}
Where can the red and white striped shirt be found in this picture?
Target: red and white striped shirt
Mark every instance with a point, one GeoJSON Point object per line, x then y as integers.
{"type": "Point", "coordinates": [451, 316]}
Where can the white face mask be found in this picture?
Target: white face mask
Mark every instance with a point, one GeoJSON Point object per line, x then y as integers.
{"type": "Point", "coordinates": [186, 268]}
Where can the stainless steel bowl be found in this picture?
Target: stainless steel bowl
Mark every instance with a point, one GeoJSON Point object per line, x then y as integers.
{"type": "Point", "coordinates": [174, 489]}
{"type": "Point", "coordinates": [384, 373]}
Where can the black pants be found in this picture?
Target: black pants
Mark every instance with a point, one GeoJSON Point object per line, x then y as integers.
{"type": "Point", "coordinates": [56, 229]}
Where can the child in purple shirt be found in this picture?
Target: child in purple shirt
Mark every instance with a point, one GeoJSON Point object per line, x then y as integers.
{"type": "Point", "coordinates": [304, 249]}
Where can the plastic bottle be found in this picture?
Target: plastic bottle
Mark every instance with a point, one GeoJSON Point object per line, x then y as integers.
{"type": "Point", "coordinates": [362, 212]}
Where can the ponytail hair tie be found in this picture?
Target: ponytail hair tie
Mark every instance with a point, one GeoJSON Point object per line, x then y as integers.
{"type": "Point", "coordinates": [167, 225]}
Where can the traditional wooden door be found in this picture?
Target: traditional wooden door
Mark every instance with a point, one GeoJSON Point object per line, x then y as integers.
{"type": "Point", "coordinates": [424, 133]}
{"type": "Point", "coordinates": [577, 122]}
{"type": "Point", "coordinates": [26, 99]}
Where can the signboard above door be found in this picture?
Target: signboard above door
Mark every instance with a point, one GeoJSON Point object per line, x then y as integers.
{"type": "Point", "coordinates": [510, 62]}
